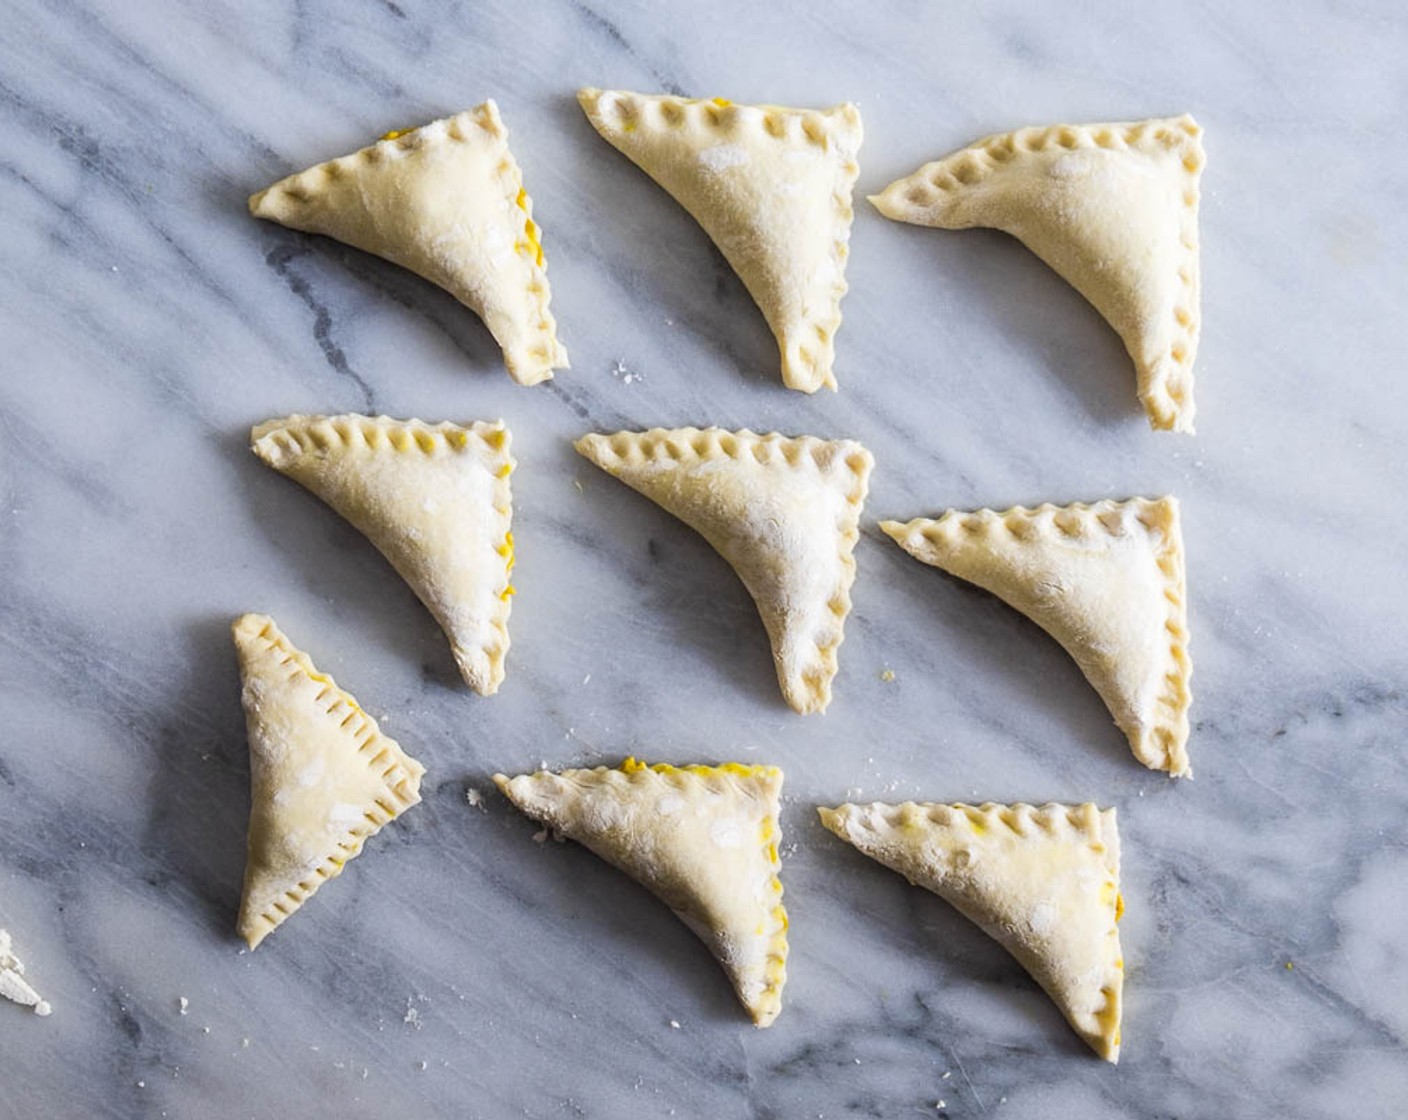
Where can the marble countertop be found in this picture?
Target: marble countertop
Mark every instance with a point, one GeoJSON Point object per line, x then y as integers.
{"type": "Point", "coordinates": [459, 969]}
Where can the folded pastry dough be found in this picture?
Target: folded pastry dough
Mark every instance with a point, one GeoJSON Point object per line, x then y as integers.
{"type": "Point", "coordinates": [1043, 882]}
{"type": "Point", "coordinates": [703, 839]}
{"type": "Point", "coordinates": [771, 186]}
{"type": "Point", "coordinates": [323, 778]}
{"type": "Point", "coordinates": [1106, 581]}
{"type": "Point", "coordinates": [446, 201]}
{"type": "Point", "coordinates": [784, 512]}
{"type": "Point", "coordinates": [434, 498]}
{"type": "Point", "coordinates": [1113, 208]}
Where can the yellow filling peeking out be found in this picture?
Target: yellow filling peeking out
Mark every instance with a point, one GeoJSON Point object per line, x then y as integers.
{"type": "Point", "coordinates": [635, 766]}
{"type": "Point", "coordinates": [1119, 906]}
{"type": "Point", "coordinates": [531, 242]}
{"type": "Point", "coordinates": [397, 133]}
{"type": "Point", "coordinates": [506, 550]}
{"type": "Point", "coordinates": [722, 102]}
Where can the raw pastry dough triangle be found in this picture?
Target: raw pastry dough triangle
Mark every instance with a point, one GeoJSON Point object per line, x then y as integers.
{"type": "Point", "coordinates": [1113, 208]}
{"type": "Point", "coordinates": [434, 498]}
{"type": "Point", "coordinates": [784, 512]}
{"type": "Point", "coordinates": [1106, 581]}
{"type": "Point", "coordinates": [1044, 882]}
{"type": "Point", "coordinates": [323, 778]}
{"type": "Point", "coordinates": [771, 186]}
{"type": "Point", "coordinates": [446, 201]}
{"type": "Point", "coordinates": [703, 839]}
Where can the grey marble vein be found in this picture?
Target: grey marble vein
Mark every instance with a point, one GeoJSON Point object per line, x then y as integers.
{"type": "Point", "coordinates": [458, 968]}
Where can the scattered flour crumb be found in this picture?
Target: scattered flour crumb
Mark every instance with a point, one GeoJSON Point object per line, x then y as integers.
{"type": "Point", "coordinates": [587, 679]}
{"type": "Point", "coordinates": [942, 1104]}
{"type": "Point", "coordinates": [947, 1075]}
{"type": "Point", "coordinates": [475, 798]}
{"type": "Point", "coordinates": [577, 484]}
{"type": "Point", "coordinates": [674, 1024]}
{"type": "Point", "coordinates": [205, 1030]}
{"type": "Point", "coordinates": [244, 1044]}
{"type": "Point", "coordinates": [13, 986]}
{"type": "Point", "coordinates": [141, 1084]}
{"type": "Point", "coordinates": [185, 1005]}
{"type": "Point", "coordinates": [541, 836]}
{"type": "Point", "coordinates": [412, 1016]}
{"type": "Point", "coordinates": [422, 1065]}
{"type": "Point", "coordinates": [887, 675]}
{"type": "Point", "coordinates": [624, 375]}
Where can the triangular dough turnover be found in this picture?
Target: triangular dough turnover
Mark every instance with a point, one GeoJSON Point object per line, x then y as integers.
{"type": "Point", "coordinates": [323, 778]}
{"type": "Point", "coordinates": [1113, 208]}
{"type": "Point", "coordinates": [446, 201]}
{"type": "Point", "coordinates": [1044, 882]}
{"type": "Point", "coordinates": [784, 512]}
{"type": "Point", "coordinates": [1106, 581]}
{"type": "Point", "coordinates": [703, 839]}
{"type": "Point", "coordinates": [771, 186]}
{"type": "Point", "coordinates": [434, 498]}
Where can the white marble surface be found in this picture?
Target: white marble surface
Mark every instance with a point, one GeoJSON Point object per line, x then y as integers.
{"type": "Point", "coordinates": [148, 322]}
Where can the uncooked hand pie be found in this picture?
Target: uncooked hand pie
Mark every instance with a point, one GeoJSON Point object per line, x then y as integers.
{"type": "Point", "coordinates": [784, 512]}
{"type": "Point", "coordinates": [434, 498]}
{"type": "Point", "coordinates": [1043, 882]}
{"type": "Point", "coordinates": [703, 839]}
{"type": "Point", "coordinates": [447, 201]}
{"type": "Point", "coordinates": [1106, 581]}
{"type": "Point", "coordinates": [323, 778]}
{"type": "Point", "coordinates": [771, 186]}
{"type": "Point", "coordinates": [1113, 208]}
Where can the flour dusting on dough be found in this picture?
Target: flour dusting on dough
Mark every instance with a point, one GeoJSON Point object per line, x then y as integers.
{"type": "Point", "coordinates": [723, 156]}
